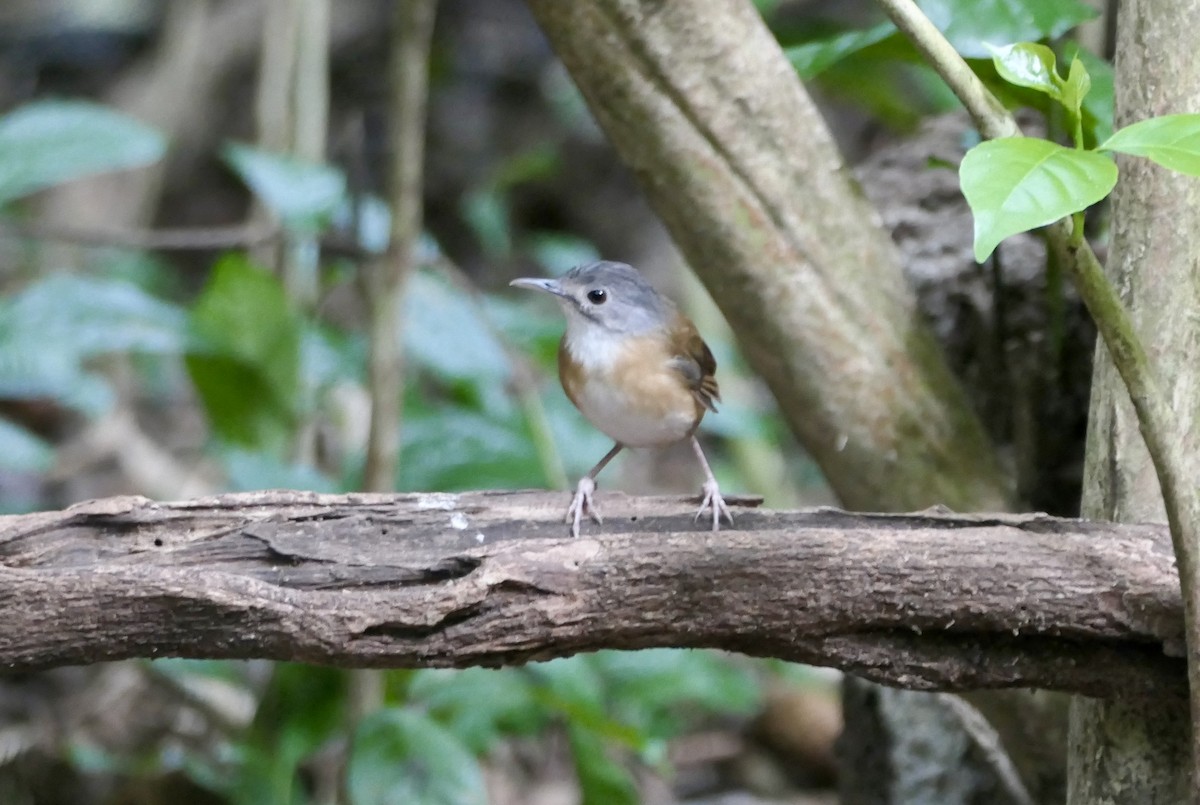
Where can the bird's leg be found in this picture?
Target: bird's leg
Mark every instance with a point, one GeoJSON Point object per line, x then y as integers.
{"type": "Point", "coordinates": [712, 494]}
{"type": "Point", "coordinates": [582, 502]}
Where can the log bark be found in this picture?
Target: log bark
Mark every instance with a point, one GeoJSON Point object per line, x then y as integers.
{"type": "Point", "coordinates": [926, 601]}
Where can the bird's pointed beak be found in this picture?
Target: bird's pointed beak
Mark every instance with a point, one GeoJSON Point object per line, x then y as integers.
{"type": "Point", "coordinates": [537, 284]}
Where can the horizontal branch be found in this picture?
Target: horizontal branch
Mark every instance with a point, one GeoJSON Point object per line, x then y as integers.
{"type": "Point", "coordinates": [931, 601]}
{"type": "Point", "coordinates": [215, 238]}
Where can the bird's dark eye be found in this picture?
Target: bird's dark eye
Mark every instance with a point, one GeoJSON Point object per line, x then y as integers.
{"type": "Point", "coordinates": [597, 296]}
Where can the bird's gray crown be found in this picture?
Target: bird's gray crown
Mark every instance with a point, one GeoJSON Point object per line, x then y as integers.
{"type": "Point", "coordinates": [630, 304]}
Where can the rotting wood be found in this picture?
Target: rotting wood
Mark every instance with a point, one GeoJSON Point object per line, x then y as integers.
{"type": "Point", "coordinates": [928, 601]}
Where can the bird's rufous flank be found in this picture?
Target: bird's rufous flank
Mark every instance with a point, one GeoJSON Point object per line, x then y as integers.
{"type": "Point", "coordinates": [635, 367]}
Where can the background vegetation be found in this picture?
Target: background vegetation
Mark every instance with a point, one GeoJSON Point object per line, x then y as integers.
{"type": "Point", "coordinates": [155, 339]}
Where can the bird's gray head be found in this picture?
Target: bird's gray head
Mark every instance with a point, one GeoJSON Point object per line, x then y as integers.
{"type": "Point", "coordinates": [609, 295]}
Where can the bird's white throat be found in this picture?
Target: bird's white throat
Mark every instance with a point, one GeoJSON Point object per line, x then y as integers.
{"type": "Point", "coordinates": [592, 346]}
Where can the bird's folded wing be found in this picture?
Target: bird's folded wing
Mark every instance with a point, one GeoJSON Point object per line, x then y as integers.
{"type": "Point", "coordinates": [695, 362]}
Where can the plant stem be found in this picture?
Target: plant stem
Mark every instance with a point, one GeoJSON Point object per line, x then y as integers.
{"type": "Point", "coordinates": [1113, 321]}
{"type": "Point", "coordinates": [990, 116]}
{"type": "Point", "coordinates": [385, 280]}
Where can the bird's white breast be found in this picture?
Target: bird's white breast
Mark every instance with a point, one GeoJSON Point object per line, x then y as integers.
{"type": "Point", "coordinates": [625, 412]}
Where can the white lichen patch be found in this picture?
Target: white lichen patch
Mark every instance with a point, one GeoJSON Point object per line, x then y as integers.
{"type": "Point", "coordinates": [442, 501]}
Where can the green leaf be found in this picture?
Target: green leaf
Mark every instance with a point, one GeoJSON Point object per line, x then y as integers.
{"type": "Point", "coordinates": [249, 470]}
{"type": "Point", "coordinates": [490, 450]}
{"type": "Point", "coordinates": [1027, 64]}
{"type": "Point", "coordinates": [48, 142]}
{"type": "Point", "coordinates": [22, 451]}
{"type": "Point", "coordinates": [1172, 141]}
{"type": "Point", "coordinates": [558, 252]}
{"type": "Point", "coordinates": [304, 195]}
{"type": "Point", "coordinates": [283, 735]}
{"type": "Point", "coordinates": [1098, 103]}
{"type": "Point", "coordinates": [367, 219]}
{"type": "Point", "coordinates": [575, 687]}
{"type": "Point", "coordinates": [401, 757]}
{"type": "Point", "coordinates": [602, 781]}
{"type": "Point", "coordinates": [813, 58]}
{"type": "Point", "coordinates": [479, 705]}
{"type": "Point", "coordinates": [486, 211]}
{"type": "Point", "coordinates": [99, 316]}
{"type": "Point", "coordinates": [1076, 88]}
{"type": "Point", "coordinates": [49, 331]}
{"type": "Point", "coordinates": [969, 24]}
{"type": "Point", "coordinates": [245, 359]}
{"type": "Point", "coordinates": [1020, 183]}
{"type": "Point", "coordinates": [658, 690]}
{"type": "Point", "coordinates": [538, 163]}
{"type": "Point", "coordinates": [446, 333]}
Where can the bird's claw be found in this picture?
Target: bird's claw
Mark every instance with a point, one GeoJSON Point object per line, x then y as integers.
{"type": "Point", "coordinates": [712, 500]}
{"type": "Point", "coordinates": [582, 503]}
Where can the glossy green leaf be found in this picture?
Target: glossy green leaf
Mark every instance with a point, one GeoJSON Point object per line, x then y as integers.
{"type": "Point", "coordinates": [402, 757]}
{"type": "Point", "coordinates": [813, 58]}
{"type": "Point", "coordinates": [304, 195]}
{"type": "Point", "coordinates": [1020, 183]}
{"type": "Point", "coordinates": [22, 451]}
{"type": "Point", "coordinates": [1172, 141]}
{"type": "Point", "coordinates": [1027, 64]}
{"type": "Point", "coordinates": [245, 359]}
{"type": "Point", "coordinates": [1076, 87]}
{"type": "Point", "coordinates": [969, 24]}
{"type": "Point", "coordinates": [48, 142]}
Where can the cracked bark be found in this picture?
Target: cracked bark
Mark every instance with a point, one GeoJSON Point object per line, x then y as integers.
{"type": "Point", "coordinates": [927, 601]}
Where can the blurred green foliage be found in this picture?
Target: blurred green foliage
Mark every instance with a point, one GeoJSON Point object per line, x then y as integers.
{"type": "Point", "coordinates": [261, 367]}
{"type": "Point", "coordinates": [48, 142]}
{"type": "Point", "coordinates": [879, 68]}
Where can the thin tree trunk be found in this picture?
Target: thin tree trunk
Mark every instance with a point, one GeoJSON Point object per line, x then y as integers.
{"type": "Point", "coordinates": [1120, 750]}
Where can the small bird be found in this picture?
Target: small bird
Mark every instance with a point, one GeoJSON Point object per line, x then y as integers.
{"type": "Point", "coordinates": [635, 367]}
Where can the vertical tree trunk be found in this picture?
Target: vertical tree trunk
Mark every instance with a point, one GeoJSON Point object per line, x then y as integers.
{"type": "Point", "coordinates": [1123, 751]}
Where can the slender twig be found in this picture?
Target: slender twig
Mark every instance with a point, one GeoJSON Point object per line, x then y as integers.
{"type": "Point", "coordinates": [990, 116]}
{"type": "Point", "coordinates": [385, 280]}
{"type": "Point", "coordinates": [1115, 325]}
{"type": "Point", "coordinates": [309, 123]}
{"type": "Point", "coordinates": [214, 238]}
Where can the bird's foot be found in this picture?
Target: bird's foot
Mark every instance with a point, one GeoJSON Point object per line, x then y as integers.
{"type": "Point", "coordinates": [712, 500]}
{"type": "Point", "coordinates": [582, 504]}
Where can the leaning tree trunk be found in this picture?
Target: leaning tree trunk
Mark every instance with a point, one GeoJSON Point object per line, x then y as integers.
{"type": "Point", "coordinates": [1138, 751]}
{"type": "Point", "coordinates": [731, 152]}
